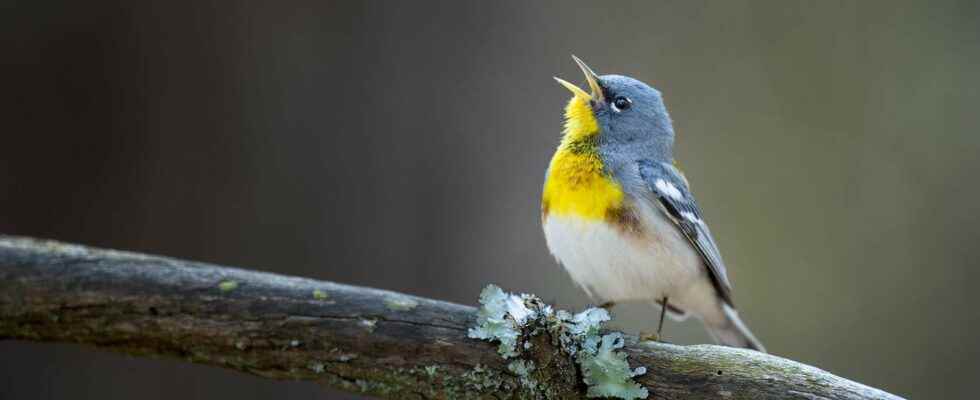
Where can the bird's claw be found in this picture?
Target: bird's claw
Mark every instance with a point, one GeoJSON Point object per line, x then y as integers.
{"type": "Point", "coordinates": [649, 337]}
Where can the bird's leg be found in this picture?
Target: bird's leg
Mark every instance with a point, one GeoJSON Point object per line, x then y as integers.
{"type": "Point", "coordinates": [608, 305]}
{"type": "Point", "coordinates": [663, 310]}
{"type": "Point", "coordinates": [656, 337]}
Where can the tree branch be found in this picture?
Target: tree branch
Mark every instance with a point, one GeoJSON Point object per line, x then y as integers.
{"type": "Point", "coordinates": [357, 339]}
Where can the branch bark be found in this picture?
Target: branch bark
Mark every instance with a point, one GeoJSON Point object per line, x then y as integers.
{"type": "Point", "coordinates": [357, 339]}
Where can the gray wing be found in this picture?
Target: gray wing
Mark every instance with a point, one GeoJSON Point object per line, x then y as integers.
{"type": "Point", "coordinates": [675, 199]}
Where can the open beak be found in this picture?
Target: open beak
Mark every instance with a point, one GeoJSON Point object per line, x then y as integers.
{"type": "Point", "coordinates": [590, 77]}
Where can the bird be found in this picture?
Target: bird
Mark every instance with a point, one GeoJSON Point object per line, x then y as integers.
{"type": "Point", "coordinates": [620, 217]}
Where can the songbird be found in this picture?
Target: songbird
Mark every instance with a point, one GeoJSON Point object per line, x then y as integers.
{"type": "Point", "coordinates": [619, 215]}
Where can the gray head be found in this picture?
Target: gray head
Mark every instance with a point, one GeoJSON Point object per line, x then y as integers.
{"type": "Point", "coordinates": [630, 114]}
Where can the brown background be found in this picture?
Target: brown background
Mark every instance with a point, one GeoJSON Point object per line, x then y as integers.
{"type": "Point", "coordinates": [832, 145]}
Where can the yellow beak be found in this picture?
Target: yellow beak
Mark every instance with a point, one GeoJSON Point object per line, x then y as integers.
{"type": "Point", "coordinates": [590, 77]}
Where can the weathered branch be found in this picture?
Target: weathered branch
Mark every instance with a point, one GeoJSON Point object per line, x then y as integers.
{"type": "Point", "coordinates": [357, 339]}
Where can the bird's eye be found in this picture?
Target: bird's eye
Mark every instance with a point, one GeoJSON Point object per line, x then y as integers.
{"type": "Point", "coordinates": [621, 103]}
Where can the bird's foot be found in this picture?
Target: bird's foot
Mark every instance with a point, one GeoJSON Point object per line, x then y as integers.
{"type": "Point", "coordinates": [650, 337]}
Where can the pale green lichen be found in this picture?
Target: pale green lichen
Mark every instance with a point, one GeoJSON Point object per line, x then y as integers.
{"type": "Point", "coordinates": [606, 371]}
{"type": "Point", "coordinates": [500, 319]}
{"type": "Point", "coordinates": [227, 286]}
{"type": "Point", "coordinates": [588, 322]}
{"type": "Point", "coordinates": [482, 379]}
{"type": "Point", "coordinates": [521, 367]}
{"type": "Point", "coordinates": [317, 367]}
{"type": "Point", "coordinates": [401, 303]}
{"type": "Point", "coordinates": [504, 316]}
{"type": "Point", "coordinates": [523, 370]}
{"type": "Point", "coordinates": [368, 324]}
{"type": "Point", "coordinates": [320, 295]}
{"type": "Point", "coordinates": [375, 387]}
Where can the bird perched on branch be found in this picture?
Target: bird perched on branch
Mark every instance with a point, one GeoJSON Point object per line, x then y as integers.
{"type": "Point", "coordinates": [620, 217]}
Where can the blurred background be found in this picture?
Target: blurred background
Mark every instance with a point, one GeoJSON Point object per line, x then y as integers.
{"type": "Point", "coordinates": [402, 145]}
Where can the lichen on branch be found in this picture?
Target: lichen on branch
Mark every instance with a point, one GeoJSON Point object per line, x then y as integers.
{"type": "Point", "coordinates": [510, 318]}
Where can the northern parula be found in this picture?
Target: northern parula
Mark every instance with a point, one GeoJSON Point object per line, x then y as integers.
{"type": "Point", "coordinates": [620, 216]}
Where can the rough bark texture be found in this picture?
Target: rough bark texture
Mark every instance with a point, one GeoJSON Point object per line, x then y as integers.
{"type": "Point", "coordinates": [362, 340]}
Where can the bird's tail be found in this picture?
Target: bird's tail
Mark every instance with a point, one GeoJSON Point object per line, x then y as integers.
{"type": "Point", "coordinates": [733, 332]}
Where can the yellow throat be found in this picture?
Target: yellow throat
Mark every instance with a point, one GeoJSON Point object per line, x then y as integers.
{"type": "Point", "coordinates": [577, 183]}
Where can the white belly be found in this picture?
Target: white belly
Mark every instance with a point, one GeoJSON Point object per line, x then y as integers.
{"type": "Point", "coordinates": [615, 266]}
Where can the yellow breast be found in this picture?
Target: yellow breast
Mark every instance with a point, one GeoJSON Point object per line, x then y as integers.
{"type": "Point", "coordinates": [577, 183]}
